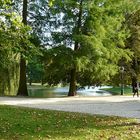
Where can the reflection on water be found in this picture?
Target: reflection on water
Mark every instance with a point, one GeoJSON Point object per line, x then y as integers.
{"type": "Point", "coordinates": [39, 91]}
{"type": "Point", "coordinates": [45, 92]}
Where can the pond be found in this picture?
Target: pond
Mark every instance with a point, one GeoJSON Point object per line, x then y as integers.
{"type": "Point", "coordinates": [40, 91]}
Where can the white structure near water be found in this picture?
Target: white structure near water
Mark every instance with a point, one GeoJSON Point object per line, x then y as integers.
{"type": "Point", "coordinates": [87, 90]}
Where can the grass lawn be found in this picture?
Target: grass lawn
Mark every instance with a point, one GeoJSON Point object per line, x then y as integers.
{"type": "Point", "coordinates": [18, 123]}
{"type": "Point", "coordinates": [117, 90]}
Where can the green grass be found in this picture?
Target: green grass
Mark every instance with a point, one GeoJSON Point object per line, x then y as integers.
{"type": "Point", "coordinates": [18, 123]}
{"type": "Point", "coordinates": [117, 90]}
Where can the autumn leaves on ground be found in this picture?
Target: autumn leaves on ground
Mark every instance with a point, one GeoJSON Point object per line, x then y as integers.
{"type": "Point", "coordinates": [32, 124]}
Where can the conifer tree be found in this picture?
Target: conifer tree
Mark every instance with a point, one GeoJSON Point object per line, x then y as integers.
{"type": "Point", "coordinates": [133, 42]}
{"type": "Point", "coordinates": [96, 30]}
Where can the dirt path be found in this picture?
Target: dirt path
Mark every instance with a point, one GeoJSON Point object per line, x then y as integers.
{"type": "Point", "coordinates": [124, 106]}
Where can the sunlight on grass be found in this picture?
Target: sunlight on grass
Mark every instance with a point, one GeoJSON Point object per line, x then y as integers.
{"type": "Point", "coordinates": [117, 90]}
{"type": "Point", "coordinates": [31, 124]}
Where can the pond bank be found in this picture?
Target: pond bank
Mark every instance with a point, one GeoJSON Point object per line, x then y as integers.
{"type": "Point", "coordinates": [53, 92]}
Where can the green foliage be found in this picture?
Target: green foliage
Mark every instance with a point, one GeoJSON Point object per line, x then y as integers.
{"type": "Point", "coordinates": [133, 43]}
{"type": "Point", "coordinates": [14, 40]}
{"type": "Point", "coordinates": [97, 27]}
{"type": "Point", "coordinates": [12, 33]}
{"type": "Point", "coordinates": [9, 29]}
{"type": "Point", "coordinates": [35, 70]}
{"type": "Point", "coordinates": [58, 60]}
{"type": "Point", "coordinates": [101, 36]}
{"type": "Point", "coordinates": [43, 124]}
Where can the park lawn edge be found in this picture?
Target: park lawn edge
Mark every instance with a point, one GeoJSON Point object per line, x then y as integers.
{"type": "Point", "coordinates": [29, 123]}
{"type": "Point", "coordinates": [117, 90]}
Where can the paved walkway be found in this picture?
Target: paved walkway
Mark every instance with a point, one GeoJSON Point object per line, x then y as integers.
{"type": "Point", "coordinates": [125, 106]}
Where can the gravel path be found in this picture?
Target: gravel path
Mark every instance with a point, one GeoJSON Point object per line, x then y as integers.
{"type": "Point", "coordinates": [124, 106]}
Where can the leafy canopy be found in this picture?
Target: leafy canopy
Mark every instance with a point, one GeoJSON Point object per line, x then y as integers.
{"type": "Point", "coordinates": [100, 37]}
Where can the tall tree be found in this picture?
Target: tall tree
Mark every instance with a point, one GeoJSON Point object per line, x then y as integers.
{"type": "Point", "coordinates": [96, 31]}
{"type": "Point", "coordinates": [22, 81]}
{"type": "Point", "coordinates": [12, 32]}
{"type": "Point", "coordinates": [133, 42]}
{"type": "Point", "coordinates": [72, 89]}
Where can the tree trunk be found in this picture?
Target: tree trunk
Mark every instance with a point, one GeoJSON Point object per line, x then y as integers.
{"type": "Point", "coordinates": [22, 81]}
{"type": "Point", "coordinates": [24, 12]}
{"type": "Point", "coordinates": [72, 88]}
{"type": "Point", "coordinates": [22, 91]}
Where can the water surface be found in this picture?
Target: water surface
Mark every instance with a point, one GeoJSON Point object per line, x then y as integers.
{"type": "Point", "coordinates": [40, 91]}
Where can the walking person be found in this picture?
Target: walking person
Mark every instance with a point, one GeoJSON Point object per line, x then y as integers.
{"type": "Point", "coordinates": [136, 89]}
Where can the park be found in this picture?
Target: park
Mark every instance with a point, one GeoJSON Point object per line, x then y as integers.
{"type": "Point", "coordinates": [69, 69]}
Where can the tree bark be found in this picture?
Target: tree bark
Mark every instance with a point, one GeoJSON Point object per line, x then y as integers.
{"type": "Point", "coordinates": [72, 88]}
{"type": "Point", "coordinates": [24, 12]}
{"type": "Point", "coordinates": [22, 90]}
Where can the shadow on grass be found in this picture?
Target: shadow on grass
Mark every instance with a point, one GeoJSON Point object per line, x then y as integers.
{"type": "Point", "coordinates": [25, 123]}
